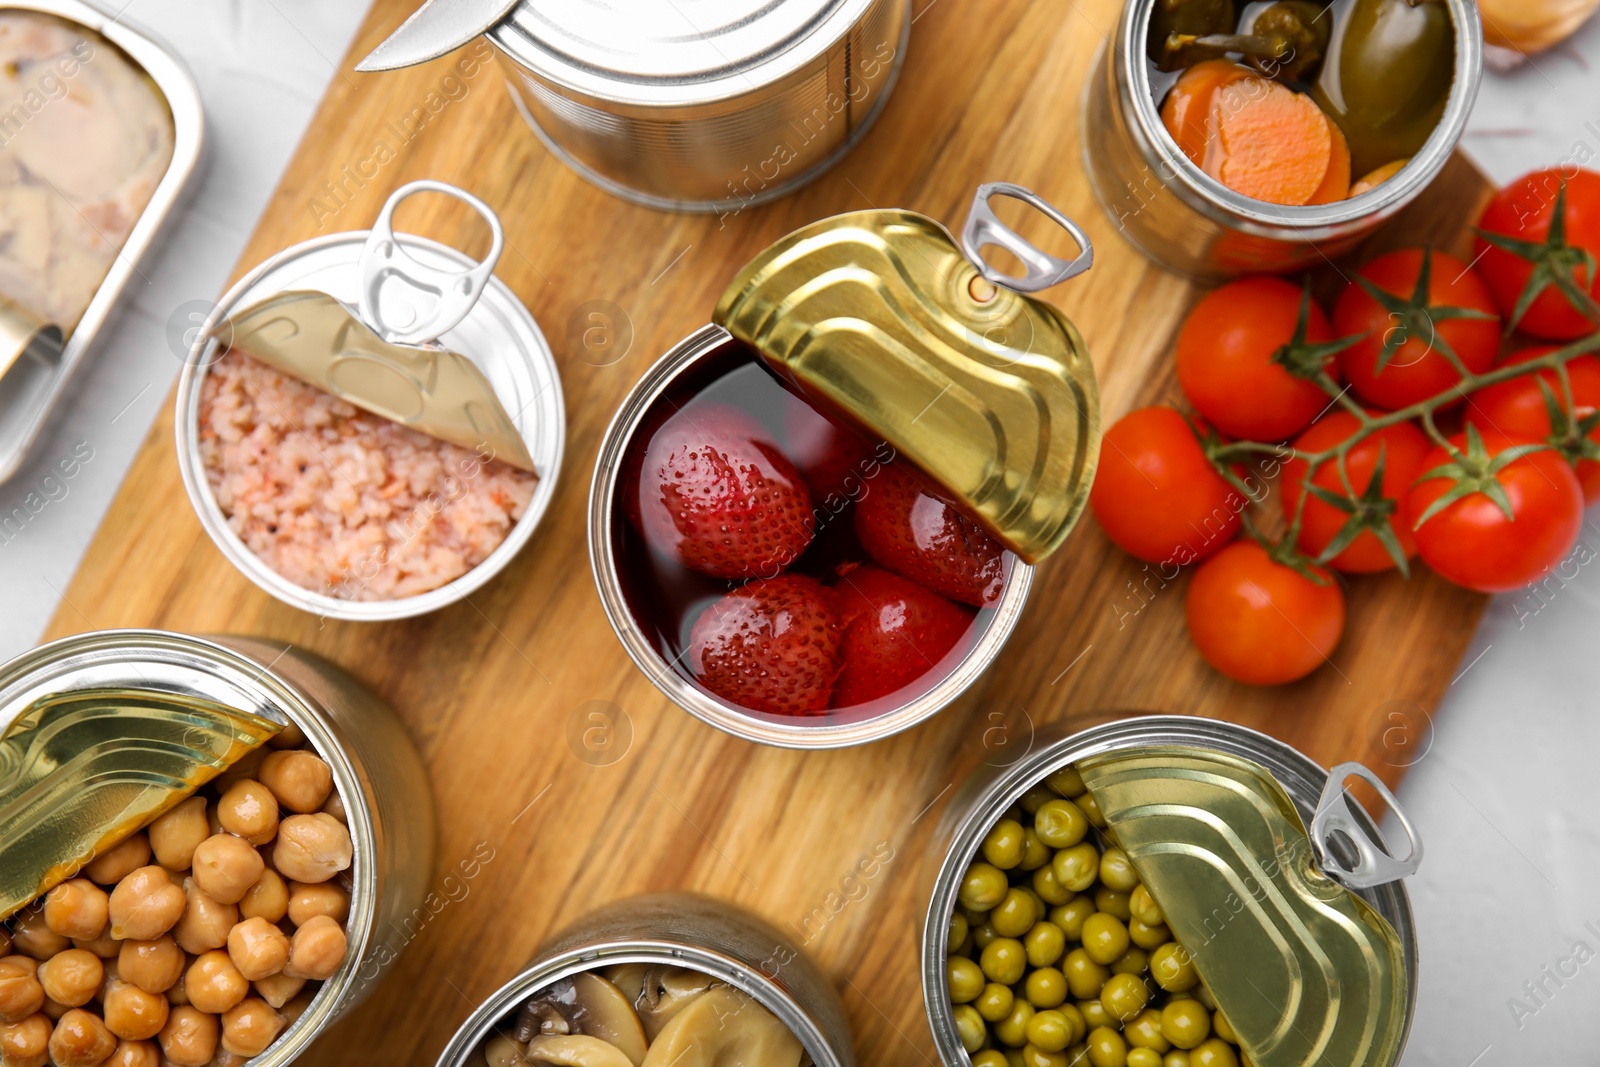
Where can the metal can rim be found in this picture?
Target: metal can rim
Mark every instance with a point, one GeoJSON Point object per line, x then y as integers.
{"type": "Point", "coordinates": [191, 467]}
{"type": "Point", "coordinates": [602, 561]}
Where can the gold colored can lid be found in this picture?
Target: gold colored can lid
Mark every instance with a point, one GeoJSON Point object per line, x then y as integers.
{"type": "Point", "coordinates": [1304, 969]}
{"type": "Point", "coordinates": [881, 318]}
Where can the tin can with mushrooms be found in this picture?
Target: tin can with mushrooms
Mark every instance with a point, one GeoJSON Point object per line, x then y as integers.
{"type": "Point", "coordinates": [666, 978]}
{"type": "Point", "coordinates": [1178, 212]}
{"type": "Point", "coordinates": [1186, 903]}
{"type": "Point", "coordinates": [878, 425]}
{"type": "Point", "coordinates": [377, 791]}
{"type": "Point", "coordinates": [370, 425]}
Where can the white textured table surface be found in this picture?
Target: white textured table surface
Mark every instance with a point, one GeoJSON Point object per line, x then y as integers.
{"type": "Point", "coordinates": [1508, 900]}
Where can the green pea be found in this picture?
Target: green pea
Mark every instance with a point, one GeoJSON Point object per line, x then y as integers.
{"type": "Point", "coordinates": [1015, 915]}
{"type": "Point", "coordinates": [1034, 1056]}
{"type": "Point", "coordinates": [1176, 1058]}
{"type": "Point", "coordinates": [1013, 1029]}
{"type": "Point", "coordinates": [1203, 995]}
{"type": "Point", "coordinates": [1117, 872]}
{"type": "Point", "coordinates": [1094, 1013]}
{"type": "Point", "coordinates": [1144, 1031]}
{"type": "Point", "coordinates": [995, 1002]}
{"type": "Point", "coordinates": [1148, 937]}
{"type": "Point", "coordinates": [1143, 1057]}
{"type": "Point", "coordinates": [1049, 889]}
{"type": "Point", "coordinates": [1046, 987]}
{"type": "Point", "coordinates": [1124, 996]}
{"type": "Point", "coordinates": [965, 979]}
{"type": "Point", "coordinates": [982, 935]}
{"type": "Point", "coordinates": [1143, 906]}
{"type": "Point", "coordinates": [958, 929]}
{"type": "Point", "coordinates": [1105, 939]}
{"type": "Point", "coordinates": [1035, 853]}
{"type": "Point", "coordinates": [1050, 1030]}
{"type": "Point", "coordinates": [1003, 960]}
{"type": "Point", "coordinates": [1214, 1053]}
{"type": "Point", "coordinates": [1067, 781]}
{"type": "Point", "coordinates": [1106, 1048]}
{"type": "Point", "coordinates": [969, 1027]}
{"type": "Point", "coordinates": [983, 886]}
{"type": "Point", "coordinates": [1133, 961]}
{"type": "Point", "coordinates": [989, 1057]}
{"type": "Point", "coordinates": [1072, 915]}
{"type": "Point", "coordinates": [1044, 944]}
{"type": "Point", "coordinates": [1003, 846]}
{"type": "Point", "coordinates": [1036, 798]}
{"type": "Point", "coordinates": [1221, 1027]}
{"type": "Point", "coordinates": [1077, 867]}
{"type": "Point", "coordinates": [1084, 976]}
{"type": "Point", "coordinates": [1091, 810]}
{"type": "Point", "coordinates": [1185, 1023]}
{"type": "Point", "coordinates": [1113, 902]}
{"type": "Point", "coordinates": [1172, 968]}
{"type": "Point", "coordinates": [1060, 823]}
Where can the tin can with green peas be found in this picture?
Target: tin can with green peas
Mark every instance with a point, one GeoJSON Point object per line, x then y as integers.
{"type": "Point", "coordinates": [1167, 891]}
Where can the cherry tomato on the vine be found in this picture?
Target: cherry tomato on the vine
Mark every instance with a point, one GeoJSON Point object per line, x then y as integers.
{"type": "Point", "coordinates": [1155, 493]}
{"type": "Point", "coordinates": [1402, 447]}
{"type": "Point", "coordinates": [1460, 503]}
{"type": "Point", "coordinates": [1419, 305]}
{"type": "Point", "coordinates": [1260, 621]}
{"type": "Point", "coordinates": [1518, 408]}
{"type": "Point", "coordinates": [1519, 219]}
{"type": "Point", "coordinates": [1238, 353]}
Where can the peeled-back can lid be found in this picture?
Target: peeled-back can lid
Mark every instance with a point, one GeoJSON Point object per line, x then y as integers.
{"type": "Point", "coordinates": [653, 53]}
{"type": "Point", "coordinates": [1304, 969]}
{"type": "Point", "coordinates": [879, 317]}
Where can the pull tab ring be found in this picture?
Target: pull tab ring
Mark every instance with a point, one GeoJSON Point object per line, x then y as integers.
{"type": "Point", "coordinates": [384, 260]}
{"type": "Point", "coordinates": [1373, 866]}
{"type": "Point", "coordinates": [1041, 270]}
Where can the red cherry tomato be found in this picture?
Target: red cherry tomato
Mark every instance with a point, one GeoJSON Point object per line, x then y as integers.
{"type": "Point", "coordinates": [1420, 322]}
{"type": "Point", "coordinates": [1471, 541]}
{"type": "Point", "coordinates": [1226, 365]}
{"type": "Point", "coordinates": [1402, 446]}
{"type": "Point", "coordinates": [1259, 621]}
{"type": "Point", "coordinates": [1517, 407]}
{"type": "Point", "coordinates": [1155, 493]}
{"type": "Point", "coordinates": [1523, 211]}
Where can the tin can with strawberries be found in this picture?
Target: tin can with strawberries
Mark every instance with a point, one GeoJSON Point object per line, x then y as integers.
{"type": "Point", "coordinates": [813, 523]}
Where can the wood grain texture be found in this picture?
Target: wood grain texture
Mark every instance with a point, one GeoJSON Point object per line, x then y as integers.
{"type": "Point", "coordinates": [489, 686]}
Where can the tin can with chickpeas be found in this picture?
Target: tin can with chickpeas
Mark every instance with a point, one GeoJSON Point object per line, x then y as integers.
{"type": "Point", "coordinates": [1161, 890]}
{"type": "Point", "coordinates": [260, 825]}
{"type": "Point", "coordinates": [661, 980]}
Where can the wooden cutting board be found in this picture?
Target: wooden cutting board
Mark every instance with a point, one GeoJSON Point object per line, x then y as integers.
{"type": "Point", "coordinates": [490, 687]}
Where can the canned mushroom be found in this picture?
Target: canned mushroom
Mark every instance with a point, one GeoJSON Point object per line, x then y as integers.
{"type": "Point", "coordinates": [663, 980]}
{"type": "Point", "coordinates": [819, 531]}
{"type": "Point", "coordinates": [1144, 893]}
{"type": "Point", "coordinates": [1292, 131]}
{"type": "Point", "coordinates": [238, 923]}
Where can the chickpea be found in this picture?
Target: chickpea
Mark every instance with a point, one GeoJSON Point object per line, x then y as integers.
{"type": "Point", "coordinates": [335, 807]}
{"type": "Point", "coordinates": [250, 1026]}
{"type": "Point", "coordinates": [21, 995]}
{"type": "Point", "coordinates": [299, 779]}
{"type": "Point", "coordinates": [153, 966]}
{"type": "Point", "coordinates": [205, 923]}
{"type": "Point", "coordinates": [291, 736]}
{"type": "Point", "coordinates": [5, 941]}
{"type": "Point", "coordinates": [81, 1040]}
{"type": "Point", "coordinates": [26, 1043]}
{"type": "Point", "coordinates": [119, 861]}
{"type": "Point", "coordinates": [278, 989]}
{"type": "Point", "coordinates": [145, 905]}
{"type": "Point", "coordinates": [318, 898]}
{"type": "Point", "coordinates": [135, 1054]}
{"type": "Point", "coordinates": [246, 766]}
{"type": "Point", "coordinates": [268, 899]}
{"type": "Point", "coordinates": [31, 936]}
{"type": "Point", "coordinates": [314, 848]}
{"type": "Point", "coordinates": [258, 948]}
{"type": "Point", "coordinates": [133, 1014]}
{"type": "Point", "coordinates": [179, 993]}
{"type": "Point", "coordinates": [225, 867]}
{"type": "Point", "coordinates": [213, 983]}
{"type": "Point", "coordinates": [297, 1007]}
{"type": "Point", "coordinates": [224, 1058]}
{"type": "Point", "coordinates": [190, 1037]}
{"type": "Point", "coordinates": [105, 946]}
{"type": "Point", "coordinates": [318, 949]}
{"type": "Point", "coordinates": [250, 810]}
{"type": "Point", "coordinates": [72, 977]}
{"type": "Point", "coordinates": [77, 909]}
{"type": "Point", "coordinates": [54, 1009]}
{"type": "Point", "coordinates": [174, 835]}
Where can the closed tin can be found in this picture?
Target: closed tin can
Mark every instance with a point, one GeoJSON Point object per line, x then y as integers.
{"type": "Point", "coordinates": [677, 929]}
{"type": "Point", "coordinates": [1184, 219]}
{"type": "Point", "coordinates": [1345, 991]}
{"type": "Point", "coordinates": [376, 770]}
{"type": "Point", "coordinates": [702, 106]}
{"type": "Point", "coordinates": [988, 392]}
{"type": "Point", "coordinates": [496, 333]}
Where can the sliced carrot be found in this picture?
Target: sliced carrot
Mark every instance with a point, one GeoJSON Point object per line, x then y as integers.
{"type": "Point", "coordinates": [1336, 182]}
{"type": "Point", "coordinates": [1378, 177]}
{"type": "Point", "coordinates": [1268, 142]}
{"type": "Point", "coordinates": [1188, 104]}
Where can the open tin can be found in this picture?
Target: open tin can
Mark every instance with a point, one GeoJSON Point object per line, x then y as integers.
{"type": "Point", "coordinates": [377, 773]}
{"type": "Point", "coordinates": [1186, 220]}
{"type": "Point", "coordinates": [392, 288]}
{"type": "Point", "coordinates": [877, 320]}
{"type": "Point", "coordinates": [1305, 939]}
{"type": "Point", "coordinates": [717, 939]}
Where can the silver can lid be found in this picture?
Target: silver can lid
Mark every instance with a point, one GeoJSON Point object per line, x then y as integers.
{"type": "Point", "coordinates": [692, 51]}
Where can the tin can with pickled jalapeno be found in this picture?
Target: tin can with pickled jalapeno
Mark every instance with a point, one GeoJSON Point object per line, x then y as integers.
{"type": "Point", "coordinates": [940, 371]}
{"type": "Point", "coordinates": [1277, 901]}
{"type": "Point", "coordinates": [376, 772]}
{"type": "Point", "coordinates": [677, 930]}
{"type": "Point", "coordinates": [1376, 62]}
